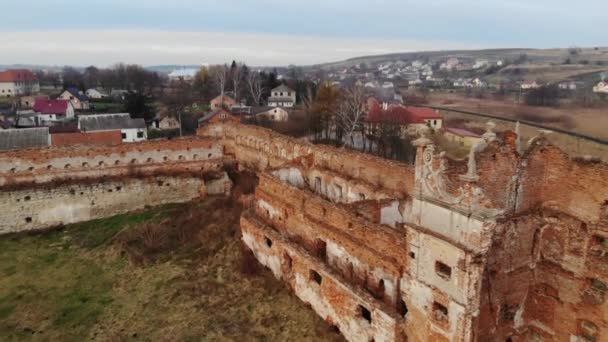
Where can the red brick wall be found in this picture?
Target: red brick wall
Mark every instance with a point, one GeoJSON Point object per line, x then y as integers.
{"type": "Point", "coordinates": [92, 138]}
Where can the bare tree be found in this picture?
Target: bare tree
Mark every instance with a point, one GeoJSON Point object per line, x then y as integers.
{"type": "Point", "coordinates": [237, 77]}
{"type": "Point", "coordinates": [350, 112]}
{"type": "Point", "coordinates": [307, 98]}
{"type": "Point", "coordinates": [220, 75]}
{"type": "Point", "coordinates": [254, 83]}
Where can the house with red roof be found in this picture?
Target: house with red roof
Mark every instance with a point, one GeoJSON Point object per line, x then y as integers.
{"type": "Point", "coordinates": [219, 116]}
{"type": "Point", "coordinates": [408, 118]}
{"type": "Point", "coordinates": [17, 82]}
{"type": "Point", "coordinates": [52, 110]}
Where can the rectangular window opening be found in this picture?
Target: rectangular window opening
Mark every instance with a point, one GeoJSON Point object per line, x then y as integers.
{"type": "Point", "coordinates": [316, 277]}
{"type": "Point", "coordinates": [268, 242]}
{"type": "Point", "coordinates": [440, 312]}
{"type": "Point", "coordinates": [365, 313]}
{"type": "Point", "coordinates": [443, 270]}
{"type": "Point", "coordinates": [321, 249]}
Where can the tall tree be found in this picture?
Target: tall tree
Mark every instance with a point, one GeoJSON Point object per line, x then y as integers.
{"type": "Point", "coordinates": [203, 83]}
{"type": "Point", "coordinates": [220, 75]}
{"type": "Point", "coordinates": [236, 75]}
{"type": "Point", "coordinates": [136, 104]}
{"type": "Point", "coordinates": [349, 114]}
{"type": "Point", "coordinates": [324, 108]}
{"type": "Point", "coordinates": [254, 84]}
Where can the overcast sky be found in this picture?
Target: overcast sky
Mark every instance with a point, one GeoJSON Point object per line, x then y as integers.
{"type": "Point", "coordinates": [271, 32]}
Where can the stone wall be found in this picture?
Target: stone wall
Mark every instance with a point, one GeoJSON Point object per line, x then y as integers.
{"type": "Point", "coordinates": [42, 188]}
{"type": "Point", "coordinates": [44, 207]}
{"type": "Point", "coordinates": [507, 245]}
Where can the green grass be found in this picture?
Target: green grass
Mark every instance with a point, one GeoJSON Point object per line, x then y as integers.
{"type": "Point", "coordinates": [78, 284]}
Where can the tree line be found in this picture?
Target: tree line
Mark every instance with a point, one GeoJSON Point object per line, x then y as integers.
{"type": "Point", "coordinates": [120, 76]}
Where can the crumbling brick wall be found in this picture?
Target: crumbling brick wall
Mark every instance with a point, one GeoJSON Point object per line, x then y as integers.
{"type": "Point", "coordinates": [509, 252]}
{"type": "Point", "coordinates": [42, 188]}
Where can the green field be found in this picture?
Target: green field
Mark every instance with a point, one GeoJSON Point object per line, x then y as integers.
{"type": "Point", "coordinates": [175, 272]}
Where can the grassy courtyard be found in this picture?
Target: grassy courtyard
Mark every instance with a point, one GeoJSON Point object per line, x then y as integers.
{"type": "Point", "coordinates": [176, 272]}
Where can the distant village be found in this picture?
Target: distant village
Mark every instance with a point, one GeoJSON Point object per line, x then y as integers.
{"type": "Point", "coordinates": [35, 115]}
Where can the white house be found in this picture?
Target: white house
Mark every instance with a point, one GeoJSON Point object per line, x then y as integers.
{"type": "Point", "coordinates": [132, 130]}
{"type": "Point", "coordinates": [95, 94]}
{"type": "Point", "coordinates": [48, 111]}
{"type": "Point", "coordinates": [282, 96]}
{"type": "Point", "coordinates": [183, 74]}
{"type": "Point", "coordinates": [271, 113]}
{"type": "Point", "coordinates": [567, 85]}
{"type": "Point", "coordinates": [526, 85]}
{"type": "Point", "coordinates": [601, 87]}
{"type": "Point", "coordinates": [79, 100]}
{"type": "Point", "coordinates": [15, 82]}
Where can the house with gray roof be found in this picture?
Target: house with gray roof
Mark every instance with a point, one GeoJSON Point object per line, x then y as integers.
{"type": "Point", "coordinates": [16, 139]}
{"type": "Point", "coordinates": [282, 96]}
{"type": "Point", "coordinates": [132, 130]}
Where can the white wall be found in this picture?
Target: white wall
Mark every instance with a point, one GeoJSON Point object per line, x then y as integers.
{"type": "Point", "coordinates": [130, 134]}
{"type": "Point", "coordinates": [7, 89]}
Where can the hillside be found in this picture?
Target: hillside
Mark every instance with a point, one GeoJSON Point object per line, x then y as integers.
{"type": "Point", "coordinates": [534, 56]}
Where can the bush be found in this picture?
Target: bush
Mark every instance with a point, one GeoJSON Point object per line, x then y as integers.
{"type": "Point", "coordinates": [163, 134]}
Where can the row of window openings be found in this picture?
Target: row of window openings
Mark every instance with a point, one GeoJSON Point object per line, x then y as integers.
{"type": "Point", "coordinates": [321, 252]}
{"type": "Point", "coordinates": [102, 163]}
{"type": "Point", "coordinates": [73, 193]}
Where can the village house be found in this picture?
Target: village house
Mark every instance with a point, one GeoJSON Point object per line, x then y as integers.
{"type": "Point", "coordinates": [49, 111]}
{"type": "Point", "coordinates": [282, 96]}
{"type": "Point", "coordinates": [164, 123]}
{"type": "Point", "coordinates": [132, 130]}
{"type": "Point", "coordinates": [409, 119]}
{"type": "Point", "coordinates": [449, 64]}
{"type": "Point", "coordinates": [601, 87]}
{"type": "Point", "coordinates": [527, 85]}
{"type": "Point", "coordinates": [218, 116]}
{"type": "Point", "coordinates": [222, 101]}
{"type": "Point", "coordinates": [270, 113]}
{"type": "Point", "coordinates": [567, 85]}
{"type": "Point", "coordinates": [95, 94]}
{"type": "Point", "coordinates": [79, 100]}
{"type": "Point", "coordinates": [184, 74]}
{"type": "Point", "coordinates": [28, 101]}
{"type": "Point", "coordinates": [461, 136]}
{"type": "Point", "coordinates": [16, 82]}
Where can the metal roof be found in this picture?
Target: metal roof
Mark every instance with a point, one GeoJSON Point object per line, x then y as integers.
{"type": "Point", "coordinates": [13, 139]}
{"type": "Point", "coordinates": [108, 122]}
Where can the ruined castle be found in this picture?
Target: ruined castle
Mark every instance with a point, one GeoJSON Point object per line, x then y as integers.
{"type": "Point", "coordinates": [510, 244]}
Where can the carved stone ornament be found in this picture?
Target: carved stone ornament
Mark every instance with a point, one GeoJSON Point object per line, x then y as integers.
{"type": "Point", "coordinates": [434, 180]}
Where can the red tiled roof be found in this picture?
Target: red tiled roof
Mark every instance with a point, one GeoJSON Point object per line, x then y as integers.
{"type": "Point", "coordinates": [51, 106]}
{"type": "Point", "coordinates": [17, 75]}
{"type": "Point", "coordinates": [420, 114]}
{"type": "Point", "coordinates": [462, 132]}
{"type": "Point", "coordinates": [400, 114]}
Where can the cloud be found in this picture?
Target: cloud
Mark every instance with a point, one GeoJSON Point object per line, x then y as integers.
{"type": "Point", "coordinates": [147, 47]}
